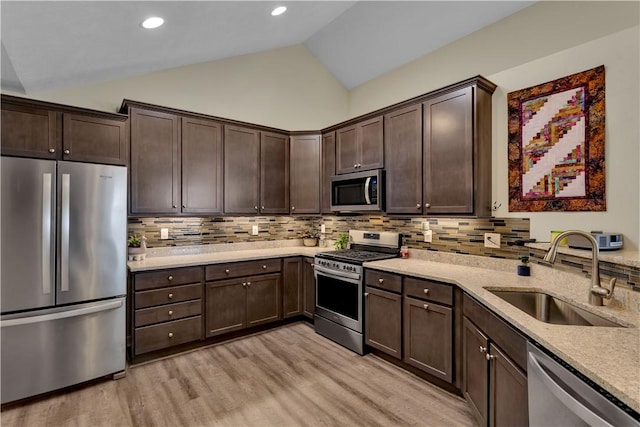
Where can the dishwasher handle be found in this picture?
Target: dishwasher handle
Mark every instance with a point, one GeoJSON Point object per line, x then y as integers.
{"type": "Point", "coordinates": [562, 395]}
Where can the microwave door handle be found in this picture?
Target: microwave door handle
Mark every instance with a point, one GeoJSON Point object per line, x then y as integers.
{"type": "Point", "coordinates": [367, 183]}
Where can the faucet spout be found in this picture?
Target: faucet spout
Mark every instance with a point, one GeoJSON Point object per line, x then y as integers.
{"type": "Point", "coordinates": [596, 292]}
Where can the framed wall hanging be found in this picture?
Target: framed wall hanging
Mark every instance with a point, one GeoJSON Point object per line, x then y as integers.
{"type": "Point", "coordinates": [556, 145]}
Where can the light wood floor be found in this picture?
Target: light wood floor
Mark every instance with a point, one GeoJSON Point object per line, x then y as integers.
{"type": "Point", "coordinates": [285, 377]}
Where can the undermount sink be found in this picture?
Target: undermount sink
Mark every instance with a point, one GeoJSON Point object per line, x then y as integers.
{"type": "Point", "coordinates": [549, 309]}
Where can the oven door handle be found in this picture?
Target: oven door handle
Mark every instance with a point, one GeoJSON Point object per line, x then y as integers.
{"type": "Point", "coordinates": [343, 275]}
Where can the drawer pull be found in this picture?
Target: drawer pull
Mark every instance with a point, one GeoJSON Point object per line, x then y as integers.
{"type": "Point", "coordinates": [244, 284]}
{"type": "Point", "coordinates": [483, 349]}
{"type": "Point", "coordinates": [170, 312]}
{"type": "Point", "coordinates": [426, 291]}
{"type": "Point", "coordinates": [170, 334]}
{"type": "Point", "coordinates": [426, 306]}
{"type": "Point", "coordinates": [248, 283]}
{"type": "Point", "coordinates": [170, 278]}
{"type": "Point", "coordinates": [170, 296]}
{"type": "Point", "coordinates": [366, 294]}
{"type": "Point", "coordinates": [226, 271]}
{"type": "Point", "coordinates": [264, 266]}
{"type": "Point", "coordinates": [381, 280]}
{"type": "Point", "coordinates": [489, 357]}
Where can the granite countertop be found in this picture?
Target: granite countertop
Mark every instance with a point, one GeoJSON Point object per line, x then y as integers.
{"type": "Point", "coordinates": [608, 356]}
{"type": "Point", "coordinates": [627, 257]}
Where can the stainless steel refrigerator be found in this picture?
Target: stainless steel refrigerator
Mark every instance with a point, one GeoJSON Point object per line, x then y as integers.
{"type": "Point", "coordinates": [63, 274]}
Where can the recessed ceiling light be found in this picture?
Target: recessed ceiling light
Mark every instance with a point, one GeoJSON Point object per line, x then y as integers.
{"type": "Point", "coordinates": [153, 22]}
{"type": "Point", "coordinates": [278, 10]}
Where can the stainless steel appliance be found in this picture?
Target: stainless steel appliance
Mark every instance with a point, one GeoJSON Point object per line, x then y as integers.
{"type": "Point", "coordinates": [358, 191]}
{"type": "Point", "coordinates": [340, 285]}
{"type": "Point", "coordinates": [558, 397]}
{"type": "Point", "coordinates": [64, 227]}
{"type": "Point", "coordinates": [605, 241]}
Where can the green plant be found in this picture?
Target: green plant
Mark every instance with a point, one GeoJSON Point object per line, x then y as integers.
{"type": "Point", "coordinates": [524, 260]}
{"type": "Point", "coordinates": [311, 233]}
{"type": "Point", "coordinates": [134, 241]}
{"type": "Point", "coordinates": [342, 241]}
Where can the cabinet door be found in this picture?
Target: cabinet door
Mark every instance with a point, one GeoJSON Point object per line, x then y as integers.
{"type": "Point", "coordinates": [370, 144]}
{"type": "Point", "coordinates": [428, 337]}
{"type": "Point", "coordinates": [155, 162]}
{"type": "Point", "coordinates": [263, 299]}
{"type": "Point", "coordinates": [241, 170]}
{"type": "Point", "coordinates": [403, 159]}
{"type": "Point", "coordinates": [383, 321]}
{"type": "Point", "coordinates": [448, 153]}
{"type": "Point", "coordinates": [305, 174]}
{"type": "Point", "coordinates": [309, 288]}
{"type": "Point", "coordinates": [274, 173]}
{"type": "Point", "coordinates": [475, 371]}
{"type": "Point", "coordinates": [347, 150]}
{"type": "Point", "coordinates": [225, 304]}
{"type": "Point", "coordinates": [201, 166]}
{"type": "Point", "coordinates": [328, 170]}
{"type": "Point", "coordinates": [94, 139]}
{"type": "Point", "coordinates": [30, 132]}
{"type": "Point", "coordinates": [292, 287]}
{"type": "Point", "coordinates": [508, 391]}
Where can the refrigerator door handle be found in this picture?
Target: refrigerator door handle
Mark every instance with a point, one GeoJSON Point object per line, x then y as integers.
{"type": "Point", "coordinates": [46, 233]}
{"type": "Point", "coordinates": [109, 305]}
{"type": "Point", "coordinates": [64, 225]}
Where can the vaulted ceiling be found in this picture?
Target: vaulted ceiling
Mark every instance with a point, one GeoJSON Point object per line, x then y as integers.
{"type": "Point", "coordinates": [55, 44]}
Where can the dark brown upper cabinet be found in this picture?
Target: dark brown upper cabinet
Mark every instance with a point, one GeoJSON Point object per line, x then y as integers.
{"type": "Point", "coordinates": [274, 173]}
{"type": "Point", "coordinates": [201, 166]}
{"type": "Point", "coordinates": [328, 149]}
{"type": "Point", "coordinates": [457, 152]}
{"type": "Point", "coordinates": [403, 159]}
{"type": "Point", "coordinates": [155, 162]}
{"type": "Point", "coordinates": [50, 131]}
{"type": "Point", "coordinates": [305, 174]}
{"type": "Point", "coordinates": [360, 147]}
{"type": "Point", "coordinates": [241, 170]}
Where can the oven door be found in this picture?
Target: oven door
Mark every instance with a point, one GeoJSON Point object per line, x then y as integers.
{"type": "Point", "coordinates": [339, 297]}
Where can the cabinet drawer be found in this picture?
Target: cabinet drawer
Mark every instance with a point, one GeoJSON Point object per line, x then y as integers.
{"type": "Point", "coordinates": [240, 269]}
{"type": "Point", "coordinates": [428, 290]}
{"type": "Point", "coordinates": [168, 295]}
{"type": "Point", "coordinates": [165, 313]}
{"type": "Point", "coordinates": [150, 338]}
{"type": "Point", "coordinates": [387, 281]}
{"type": "Point", "coordinates": [159, 279]}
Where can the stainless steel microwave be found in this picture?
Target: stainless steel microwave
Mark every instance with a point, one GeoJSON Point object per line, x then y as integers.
{"type": "Point", "coordinates": [358, 191]}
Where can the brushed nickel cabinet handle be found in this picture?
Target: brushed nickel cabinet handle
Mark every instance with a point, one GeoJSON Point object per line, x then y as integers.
{"type": "Point", "coordinates": [262, 207]}
{"type": "Point", "coordinates": [226, 271]}
{"type": "Point", "coordinates": [426, 291]}
{"type": "Point", "coordinates": [170, 278]}
{"type": "Point", "coordinates": [184, 206]}
{"type": "Point", "coordinates": [355, 165]}
{"type": "Point", "coordinates": [170, 313]}
{"type": "Point", "coordinates": [381, 280]}
{"type": "Point", "coordinates": [426, 306]}
{"type": "Point", "coordinates": [489, 357]}
{"type": "Point", "coordinates": [244, 284]}
{"type": "Point", "coordinates": [170, 296]}
{"type": "Point", "coordinates": [255, 207]}
{"type": "Point", "coordinates": [248, 283]}
{"type": "Point", "coordinates": [264, 266]}
{"type": "Point", "coordinates": [67, 152]}
{"type": "Point", "coordinates": [366, 294]}
{"type": "Point", "coordinates": [483, 349]}
{"type": "Point", "coordinates": [174, 206]}
{"type": "Point", "coordinates": [418, 205]}
{"type": "Point", "coordinates": [427, 205]}
{"type": "Point", "coordinates": [293, 208]}
{"type": "Point", "coordinates": [170, 334]}
{"type": "Point", "coordinates": [52, 150]}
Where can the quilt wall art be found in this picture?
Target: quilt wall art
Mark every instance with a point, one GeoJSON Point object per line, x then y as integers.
{"type": "Point", "coordinates": [556, 145]}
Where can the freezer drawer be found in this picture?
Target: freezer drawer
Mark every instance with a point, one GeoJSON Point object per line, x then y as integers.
{"type": "Point", "coordinates": [56, 348]}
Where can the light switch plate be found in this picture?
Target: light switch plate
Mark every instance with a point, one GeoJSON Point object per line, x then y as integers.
{"type": "Point", "coordinates": [425, 226]}
{"type": "Point", "coordinates": [491, 240]}
{"type": "Point", "coordinates": [164, 233]}
{"type": "Point", "coordinates": [254, 230]}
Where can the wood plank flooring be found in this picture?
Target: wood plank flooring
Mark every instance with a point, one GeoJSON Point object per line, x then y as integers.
{"type": "Point", "coordinates": [284, 377]}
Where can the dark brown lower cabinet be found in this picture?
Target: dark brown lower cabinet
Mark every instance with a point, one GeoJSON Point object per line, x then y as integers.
{"type": "Point", "coordinates": [383, 321]}
{"type": "Point", "coordinates": [308, 288]}
{"type": "Point", "coordinates": [493, 385]}
{"type": "Point", "coordinates": [240, 303]}
{"type": "Point", "coordinates": [428, 337]}
{"type": "Point", "coordinates": [292, 287]}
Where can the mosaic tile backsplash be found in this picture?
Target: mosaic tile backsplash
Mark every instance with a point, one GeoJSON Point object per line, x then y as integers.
{"type": "Point", "coordinates": [459, 235]}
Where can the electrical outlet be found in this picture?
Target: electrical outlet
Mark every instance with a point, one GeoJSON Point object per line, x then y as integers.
{"type": "Point", "coordinates": [164, 233]}
{"type": "Point", "coordinates": [254, 230]}
{"type": "Point", "coordinates": [428, 236]}
{"type": "Point", "coordinates": [425, 226]}
{"type": "Point", "coordinates": [323, 228]}
{"type": "Point", "coordinates": [491, 240]}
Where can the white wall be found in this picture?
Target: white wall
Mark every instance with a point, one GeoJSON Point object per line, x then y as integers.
{"type": "Point", "coordinates": [286, 88]}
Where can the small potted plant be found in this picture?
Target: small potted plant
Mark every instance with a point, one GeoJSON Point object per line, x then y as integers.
{"type": "Point", "coordinates": [136, 247]}
{"type": "Point", "coordinates": [342, 242]}
{"type": "Point", "coordinates": [310, 237]}
{"type": "Point", "coordinates": [523, 268]}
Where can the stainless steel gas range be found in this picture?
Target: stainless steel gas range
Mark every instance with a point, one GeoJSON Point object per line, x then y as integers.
{"type": "Point", "coordinates": [340, 285]}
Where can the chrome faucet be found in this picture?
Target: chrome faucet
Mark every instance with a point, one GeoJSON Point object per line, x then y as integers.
{"type": "Point", "coordinates": [597, 292]}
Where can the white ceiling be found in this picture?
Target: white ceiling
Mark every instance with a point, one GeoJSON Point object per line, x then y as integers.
{"type": "Point", "coordinates": [54, 44]}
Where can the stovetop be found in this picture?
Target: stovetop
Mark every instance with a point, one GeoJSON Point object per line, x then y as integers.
{"type": "Point", "coordinates": [356, 256]}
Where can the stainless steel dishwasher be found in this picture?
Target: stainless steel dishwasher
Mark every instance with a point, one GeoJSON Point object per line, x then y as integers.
{"type": "Point", "coordinates": [558, 397]}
